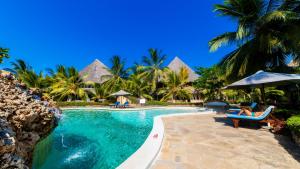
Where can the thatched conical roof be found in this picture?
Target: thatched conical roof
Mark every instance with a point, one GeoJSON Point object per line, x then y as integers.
{"type": "Point", "coordinates": [94, 72]}
{"type": "Point", "coordinates": [177, 63]}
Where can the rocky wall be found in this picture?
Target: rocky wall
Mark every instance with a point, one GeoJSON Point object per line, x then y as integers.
{"type": "Point", "coordinates": [24, 120]}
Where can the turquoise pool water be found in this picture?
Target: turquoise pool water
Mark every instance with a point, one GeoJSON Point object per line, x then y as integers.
{"type": "Point", "coordinates": [96, 139]}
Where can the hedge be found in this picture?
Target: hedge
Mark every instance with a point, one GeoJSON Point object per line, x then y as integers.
{"type": "Point", "coordinates": [284, 112]}
{"type": "Point", "coordinates": [148, 103]}
{"type": "Point", "coordinates": [161, 103]}
{"type": "Point", "coordinates": [156, 103]}
{"type": "Point", "coordinates": [65, 104]}
{"type": "Point", "coordinates": [293, 123]}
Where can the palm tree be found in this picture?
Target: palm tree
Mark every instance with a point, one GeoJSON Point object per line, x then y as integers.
{"type": "Point", "coordinates": [263, 35]}
{"type": "Point", "coordinates": [20, 67]}
{"type": "Point", "coordinates": [118, 74]}
{"type": "Point", "coordinates": [3, 54]}
{"type": "Point", "coordinates": [138, 85]}
{"type": "Point", "coordinates": [210, 82]}
{"type": "Point", "coordinates": [176, 85]}
{"type": "Point", "coordinates": [101, 92]}
{"type": "Point", "coordinates": [25, 73]}
{"type": "Point", "coordinates": [33, 80]}
{"type": "Point", "coordinates": [154, 67]}
{"type": "Point", "coordinates": [67, 84]}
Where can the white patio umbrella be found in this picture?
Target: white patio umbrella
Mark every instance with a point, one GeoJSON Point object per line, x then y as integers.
{"type": "Point", "coordinates": [263, 79]}
{"type": "Point", "coordinates": [120, 94]}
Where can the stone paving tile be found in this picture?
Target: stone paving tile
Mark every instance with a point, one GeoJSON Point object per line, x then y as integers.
{"type": "Point", "coordinates": [208, 142]}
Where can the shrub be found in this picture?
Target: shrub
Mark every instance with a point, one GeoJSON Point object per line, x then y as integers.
{"type": "Point", "coordinates": [293, 123]}
{"type": "Point", "coordinates": [161, 103]}
{"type": "Point", "coordinates": [186, 103]}
{"type": "Point", "coordinates": [65, 104]}
{"type": "Point", "coordinates": [157, 103]}
{"type": "Point", "coordinates": [284, 112]}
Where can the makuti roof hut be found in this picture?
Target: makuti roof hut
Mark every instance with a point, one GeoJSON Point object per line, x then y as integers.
{"type": "Point", "coordinates": [175, 66]}
{"type": "Point", "coordinates": [94, 72]}
{"type": "Point", "coordinates": [177, 63]}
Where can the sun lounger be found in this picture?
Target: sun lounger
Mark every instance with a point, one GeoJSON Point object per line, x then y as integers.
{"type": "Point", "coordinates": [262, 118]}
{"type": "Point", "coordinates": [252, 106]}
{"type": "Point", "coordinates": [125, 105]}
{"type": "Point", "coordinates": [116, 105]}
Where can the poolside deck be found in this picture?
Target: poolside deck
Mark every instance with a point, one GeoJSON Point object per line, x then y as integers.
{"type": "Point", "coordinates": [207, 142]}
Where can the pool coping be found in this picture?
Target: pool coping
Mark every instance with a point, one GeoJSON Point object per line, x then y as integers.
{"type": "Point", "coordinates": [144, 157]}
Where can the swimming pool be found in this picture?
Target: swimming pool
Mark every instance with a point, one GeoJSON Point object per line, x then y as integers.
{"type": "Point", "coordinates": [97, 139]}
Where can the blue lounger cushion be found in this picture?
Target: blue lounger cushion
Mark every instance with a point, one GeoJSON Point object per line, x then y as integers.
{"type": "Point", "coordinates": [234, 109]}
{"type": "Point", "coordinates": [116, 104]}
{"type": "Point", "coordinates": [259, 118]}
{"type": "Point", "coordinates": [252, 106]}
{"type": "Point", "coordinates": [126, 104]}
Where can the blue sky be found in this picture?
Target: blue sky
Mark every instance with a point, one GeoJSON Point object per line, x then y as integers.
{"type": "Point", "coordinates": [74, 33]}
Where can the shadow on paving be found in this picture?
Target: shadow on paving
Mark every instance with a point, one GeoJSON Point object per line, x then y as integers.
{"type": "Point", "coordinates": [285, 141]}
{"type": "Point", "coordinates": [242, 124]}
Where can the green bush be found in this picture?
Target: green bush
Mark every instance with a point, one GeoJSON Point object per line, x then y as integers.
{"type": "Point", "coordinates": [65, 104]}
{"type": "Point", "coordinates": [284, 112]}
{"type": "Point", "coordinates": [156, 103]}
{"type": "Point", "coordinates": [185, 103]}
{"type": "Point", "coordinates": [161, 103]}
{"type": "Point", "coordinates": [293, 123]}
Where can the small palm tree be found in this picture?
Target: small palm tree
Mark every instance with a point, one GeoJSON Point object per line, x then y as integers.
{"type": "Point", "coordinates": [3, 54]}
{"type": "Point", "coordinates": [27, 75]}
{"type": "Point", "coordinates": [138, 85]}
{"type": "Point", "coordinates": [118, 74]}
{"type": "Point", "coordinates": [67, 84]}
{"type": "Point", "coordinates": [33, 80]}
{"type": "Point", "coordinates": [154, 67]}
{"type": "Point", "coordinates": [19, 68]}
{"type": "Point", "coordinates": [210, 82]}
{"type": "Point", "coordinates": [176, 85]}
{"type": "Point", "coordinates": [101, 92]}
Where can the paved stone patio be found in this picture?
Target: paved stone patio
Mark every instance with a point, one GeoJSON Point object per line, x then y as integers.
{"type": "Point", "coordinates": [208, 142]}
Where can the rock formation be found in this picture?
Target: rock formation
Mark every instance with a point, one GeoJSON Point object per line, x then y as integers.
{"type": "Point", "coordinates": [24, 120]}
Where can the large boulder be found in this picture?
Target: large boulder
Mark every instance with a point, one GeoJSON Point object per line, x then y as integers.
{"type": "Point", "coordinates": [24, 120]}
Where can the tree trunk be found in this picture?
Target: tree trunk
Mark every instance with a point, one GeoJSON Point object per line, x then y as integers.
{"type": "Point", "coordinates": [262, 91]}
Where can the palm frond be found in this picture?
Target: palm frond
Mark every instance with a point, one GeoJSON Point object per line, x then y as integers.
{"type": "Point", "coordinates": [224, 39]}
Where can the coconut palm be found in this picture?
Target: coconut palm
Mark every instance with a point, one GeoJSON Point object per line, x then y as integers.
{"type": "Point", "coordinates": [137, 84]}
{"type": "Point", "coordinates": [154, 67]}
{"type": "Point", "coordinates": [137, 69]}
{"type": "Point", "coordinates": [3, 54]}
{"type": "Point", "coordinates": [210, 82]}
{"type": "Point", "coordinates": [34, 80]}
{"type": "Point", "coordinates": [118, 74]}
{"type": "Point", "coordinates": [25, 73]}
{"type": "Point", "coordinates": [19, 67]}
{"type": "Point", "coordinates": [176, 85]}
{"type": "Point", "coordinates": [262, 37]}
{"type": "Point", "coordinates": [101, 92]}
{"type": "Point", "coordinates": [67, 84]}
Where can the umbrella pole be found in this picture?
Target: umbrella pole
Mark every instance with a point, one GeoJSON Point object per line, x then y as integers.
{"type": "Point", "coordinates": [262, 91]}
